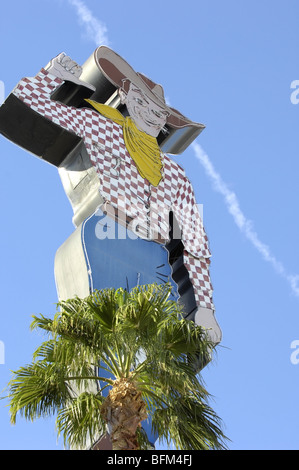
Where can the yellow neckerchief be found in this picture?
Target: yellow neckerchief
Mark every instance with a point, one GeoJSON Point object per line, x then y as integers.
{"type": "Point", "coordinates": [142, 147]}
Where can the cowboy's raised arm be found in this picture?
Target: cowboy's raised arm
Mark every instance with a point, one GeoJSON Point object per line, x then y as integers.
{"type": "Point", "coordinates": [63, 67]}
{"type": "Point", "coordinates": [36, 93]}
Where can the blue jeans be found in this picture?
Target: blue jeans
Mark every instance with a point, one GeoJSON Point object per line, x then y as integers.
{"type": "Point", "coordinates": [117, 258]}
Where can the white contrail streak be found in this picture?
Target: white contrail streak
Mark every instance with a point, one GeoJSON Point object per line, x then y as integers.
{"type": "Point", "coordinates": [95, 29]}
{"type": "Point", "coordinates": [244, 225]}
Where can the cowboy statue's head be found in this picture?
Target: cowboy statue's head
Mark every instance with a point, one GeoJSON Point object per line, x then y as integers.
{"type": "Point", "coordinates": [148, 116]}
{"type": "Point", "coordinates": [143, 98]}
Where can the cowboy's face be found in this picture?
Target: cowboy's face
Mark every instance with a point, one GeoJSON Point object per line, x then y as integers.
{"type": "Point", "coordinates": [147, 115]}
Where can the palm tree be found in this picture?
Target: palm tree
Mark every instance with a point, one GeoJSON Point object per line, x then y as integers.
{"type": "Point", "coordinates": [111, 361]}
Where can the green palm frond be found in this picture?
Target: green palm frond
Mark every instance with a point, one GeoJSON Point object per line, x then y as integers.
{"type": "Point", "coordinates": [190, 424]}
{"type": "Point", "coordinates": [37, 390]}
{"type": "Point", "coordinates": [76, 422]}
{"type": "Point", "coordinates": [114, 334]}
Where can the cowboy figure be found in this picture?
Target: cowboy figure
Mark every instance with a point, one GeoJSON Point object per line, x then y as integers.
{"type": "Point", "coordinates": [137, 182]}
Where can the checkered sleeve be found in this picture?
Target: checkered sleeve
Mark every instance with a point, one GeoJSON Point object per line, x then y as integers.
{"type": "Point", "coordinates": [190, 222]}
{"type": "Point", "coordinates": [36, 93]}
{"type": "Point", "coordinates": [196, 246]}
{"type": "Point", "coordinates": [199, 274]}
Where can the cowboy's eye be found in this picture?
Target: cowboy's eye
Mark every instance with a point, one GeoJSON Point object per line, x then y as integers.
{"type": "Point", "coordinates": [156, 113]}
{"type": "Point", "coordinates": [139, 101]}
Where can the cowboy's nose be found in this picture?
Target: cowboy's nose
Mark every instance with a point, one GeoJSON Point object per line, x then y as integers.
{"type": "Point", "coordinates": [153, 115]}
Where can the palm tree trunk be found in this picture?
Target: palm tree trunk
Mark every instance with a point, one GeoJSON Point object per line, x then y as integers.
{"type": "Point", "coordinates": [123, 410]}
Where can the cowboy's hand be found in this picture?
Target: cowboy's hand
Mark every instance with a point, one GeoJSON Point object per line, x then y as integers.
{"type": "Point", "coordinates": [63, 67]}
{"type": "Point", "coordinates": [205, 318]}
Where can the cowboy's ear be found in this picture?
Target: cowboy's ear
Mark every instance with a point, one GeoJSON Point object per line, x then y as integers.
{"type": "Point", "coordinates": [123, 96]}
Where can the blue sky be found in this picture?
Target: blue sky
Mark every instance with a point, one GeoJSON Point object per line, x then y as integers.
{"type": "Point", "coordinates": [230, 65]}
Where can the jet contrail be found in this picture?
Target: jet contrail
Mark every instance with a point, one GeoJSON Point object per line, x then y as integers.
{"type": "Point", "coordinates": [245, 225]}
{"type": "Point", "coordinates": [96, 30]}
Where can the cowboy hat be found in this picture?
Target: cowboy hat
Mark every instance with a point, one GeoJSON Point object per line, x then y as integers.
{"type": "Point", "coordinates": [117, 70]}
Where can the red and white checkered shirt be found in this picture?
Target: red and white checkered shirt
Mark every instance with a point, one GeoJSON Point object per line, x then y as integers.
{"type": "Point", "coordinates": [121, 184]}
